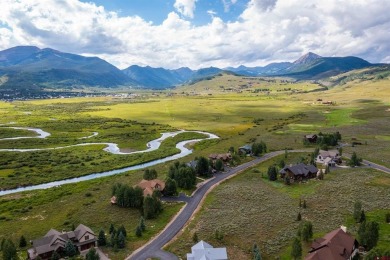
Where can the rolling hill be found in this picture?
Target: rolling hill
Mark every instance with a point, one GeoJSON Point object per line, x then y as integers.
{"type": "Point", "coordinates": [158, 78]}
{"type": "Point", "coordinates": [27, 66]}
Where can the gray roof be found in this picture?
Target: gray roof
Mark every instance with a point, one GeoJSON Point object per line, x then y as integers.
{"type": "Point", "coordinates": [81, 230]}
{"type": "Point", "coordinates": [48, 242]}
{"type": "Point", "coordinates": [300, 169]}
{"type": "Point", "coordinates": [204, 251]}
{"type": "Point", "coordinates": [246, 147]}
{"type": "Point", "coordinates": [331, 154]}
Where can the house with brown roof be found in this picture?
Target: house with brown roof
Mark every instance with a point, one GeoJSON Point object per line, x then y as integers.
{"type": "Point", "coordinates": [149, 186]}
{"type": "Point", "coordinates": [336, 245]}
{"type": "Point", "coordinates": [225, 157]}
{"type": "Point", "coordinates": [299, 171]}
{"type": "Point", "coordinates": [83, 238]}
{"type": "Point", "coordinates": [328, 158]}
{"type": "Point", "coordinates": [312, 138]}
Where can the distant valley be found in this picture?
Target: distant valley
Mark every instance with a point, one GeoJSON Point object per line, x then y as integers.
{"type": "Point", "coordinates": [29, 68]}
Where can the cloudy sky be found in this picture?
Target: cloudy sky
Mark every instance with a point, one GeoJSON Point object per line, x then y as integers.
{"type": "Point", "coordinates": [200, 33]}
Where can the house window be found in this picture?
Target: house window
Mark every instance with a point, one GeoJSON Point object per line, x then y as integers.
{"type": "Point", "coordinates": [86, 237]}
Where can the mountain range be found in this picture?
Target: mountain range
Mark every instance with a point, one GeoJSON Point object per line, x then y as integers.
{"type": "Point", "coordinates": [29, 67]}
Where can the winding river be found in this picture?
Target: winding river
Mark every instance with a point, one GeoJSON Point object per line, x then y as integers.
{"type": "Point", "coordinates": [112, 148]}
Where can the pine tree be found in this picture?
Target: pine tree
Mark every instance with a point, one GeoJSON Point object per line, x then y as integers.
{"type": "Point", "coordinates": [123, 230]}
{"type": "Point", "coordinates": [296, 251]}
{"type": "Point", "coordinates": [306, 231]}
{"type": "Point", "coordinates": [102, 241]}
{"type": "Point", "coordinates": [9, 250]}
{"type": "Point", "coordinates": [114, 240]}
{"type": "Point", "coordinates": [299, 217]}
{"type": "Point", "coordinates": [272, 173]}
{"type": "Point", "coordinates": [22, 241]}
{"type": "Point", "coordinates": [142, 224]}
{"type": "Point", "coordinates": [121, 240]}
{"type": "Point", "coordinates": [195, 238]}
{"type": "Point", "coordinates": [70, 249]}
{"type": "Point", "coordinates": [304, 204]}
{"type": "Point", "coordinates": [256, 252]}
{"type": "Point", "coordinates": [138, 231]}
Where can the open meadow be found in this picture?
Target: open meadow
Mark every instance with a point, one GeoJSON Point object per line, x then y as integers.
{"type": "Point", "coordinates": [277, 112]}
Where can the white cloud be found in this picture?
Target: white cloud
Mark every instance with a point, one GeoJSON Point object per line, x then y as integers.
{"type": "Point", "coordinates": [227, 4]}
{"type": "Point", "coordinates": [211, 13]}
{"type": "Point", "coordinates": [185, 7]}
{"type": "Point", "coordinates": [266, 31]}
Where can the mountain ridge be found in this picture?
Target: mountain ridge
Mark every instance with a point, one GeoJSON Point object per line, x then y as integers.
{"type": "Point", "coordinates": [32, 67]}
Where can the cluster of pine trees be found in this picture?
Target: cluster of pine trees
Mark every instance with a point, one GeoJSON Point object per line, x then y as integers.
{"type": "Point", "coordinates": [117, 237]}
{"type": "Point", "coordinates": [129, 197]}
{"type": "Point", "coordinates": [183, 175]}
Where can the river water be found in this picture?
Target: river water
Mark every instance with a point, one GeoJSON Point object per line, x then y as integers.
{"type": "Point", "coordinates": [112, 148]}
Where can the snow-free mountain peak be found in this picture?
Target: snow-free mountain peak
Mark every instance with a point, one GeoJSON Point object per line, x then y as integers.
{"type": "Point", "coordinates": [307, 58]}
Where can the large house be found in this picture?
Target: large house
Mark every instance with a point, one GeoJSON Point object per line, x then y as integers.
{"type": "Point", "coordinates": [299, 171]}
{"type": "Point", "coordinates": [328, 158]}
{"type": "Point", "coordinates": [203, 251]}
{"type": "Point", "coordinates": [149, 186]}
{"type": "Point", "coordinates": [225, 157]}
{"type": "Point", "coordinates": [82, 238]}
{"type": "Point", "coordinates": [336, 245]}
{"type": "Point", "coordinates": [312, 138]}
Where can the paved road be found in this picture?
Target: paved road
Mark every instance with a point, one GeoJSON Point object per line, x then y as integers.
{"type": "Point", "coordinates": [376, 166]}
{"type": "Point", "coordinates": [153, 248]}
{"type": "Point", "coordinates": [372, 165]}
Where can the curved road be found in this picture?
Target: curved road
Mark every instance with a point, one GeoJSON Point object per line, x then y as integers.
{"type": "Point", "coordinates": [153, 247]}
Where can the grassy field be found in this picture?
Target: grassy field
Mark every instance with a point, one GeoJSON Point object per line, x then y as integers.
{"type": "Point", "coordinates": [239, 110]}
{"type": "Point", "coordinates": [34, 213]}
{"type": "Point", "coordinates": [265, 212]}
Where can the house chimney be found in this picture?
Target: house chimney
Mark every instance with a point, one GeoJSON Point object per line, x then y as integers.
{"type": "Point", "coordinates": [344, 228]}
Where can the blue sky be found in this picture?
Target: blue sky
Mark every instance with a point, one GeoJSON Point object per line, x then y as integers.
{"type": "Point", "coordinates": [200, 33]}
{"type": "Point", "coordinates": [157, 11]}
